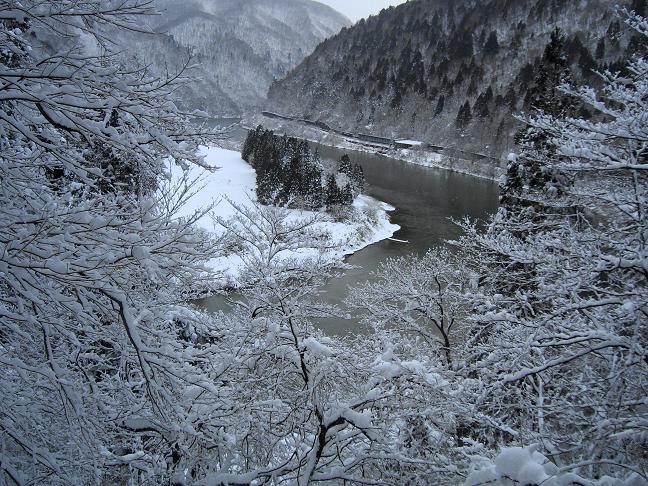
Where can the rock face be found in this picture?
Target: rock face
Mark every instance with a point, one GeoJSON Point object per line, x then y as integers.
{"type": "Point", "coordinates": [237, 47]}
{"type": "Point", "coordinates": [450, 72]}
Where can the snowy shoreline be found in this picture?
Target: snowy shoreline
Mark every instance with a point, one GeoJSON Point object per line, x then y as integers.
{"type": "Point", "coordinates": [424, 159]}
{"type": "Point", "coordinates": [235, 181]}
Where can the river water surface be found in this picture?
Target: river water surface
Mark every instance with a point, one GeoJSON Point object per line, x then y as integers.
{"type": "Point", "coordinates": [426, 200]}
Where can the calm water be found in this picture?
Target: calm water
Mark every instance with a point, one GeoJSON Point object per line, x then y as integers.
{"type": "Point", "coordinates": [426, 200]}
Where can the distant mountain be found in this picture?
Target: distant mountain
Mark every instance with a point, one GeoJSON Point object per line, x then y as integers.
{"type": "Point", "coordinates": [238, 46]}
{"type": "Point", "coordinates": [447, 71]}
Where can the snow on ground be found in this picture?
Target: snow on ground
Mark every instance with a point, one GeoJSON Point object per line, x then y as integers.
{"type": "Point", "coordinates": [424, 158]}
{"type": "Point", "coordinates": [235, 181]}
{"type": "Point", "coordinates": [413, 143]}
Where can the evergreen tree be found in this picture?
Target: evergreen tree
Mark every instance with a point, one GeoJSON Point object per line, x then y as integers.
{"type": "Point", "coordinates": [614, 32]}
{"type": "Point", "coordinates": [397, 96]}
{"type": "Point", "coordinates": [459, 79]}
{"type": "Point", "coordinates": [600, 49]}
{"type": "Point", "coordinates": [461, 45]}
{"type": "Point", "coordinates": [553, 71]}
{"type": "Point", "coordinates": [311, 191]}
{"type": "Point", "coordinates": [346, 195]}
{"type": "Point", "coordinates": [526, 174]}
{"type": "Point", "coordinates": [511, 99]}
{"type": "Point", "coordinates": [417, 73]}
{"type": "Point", "coordinates": [357, 178]}
{"type": "Point", "coordinates": [525, 76]}
{"type": "Point", "coordinates": [345, 164]}
{"type": "Point", "coordinates": [333, 194]}
{"type": "Point", "coordinates": [586, 62]}
{"type": "Point", "coordinates": [433, 92]}
{"type": "Point", "coordinates": [481, 105]}
{"type": "Point", "coordinates": [464, 116]}
{"type": "Point", "coordinates": [440, 105]}
{"type": "Point", "coordinates": [472, 87]}
{"type": "Point", "coordinates": [287, 172]}
{"type": "Point", "coordinates": [291, 175]}
{"type": "Point", "coordinates": [492, 44]}
{"type": "Point", "coordinates": [250, 143]}
{"type": "Point", "coordinates": [267, 183]}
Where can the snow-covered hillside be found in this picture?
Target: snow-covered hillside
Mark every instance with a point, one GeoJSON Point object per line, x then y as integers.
{"type": "Point", "coordinates": [238, 47]}
{"type": "Point", "coordinates": [448, 72]}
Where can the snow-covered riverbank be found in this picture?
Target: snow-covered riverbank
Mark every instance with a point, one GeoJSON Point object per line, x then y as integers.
{"type": "Point", "coordinates": [480, 168]}
{"type": "Point", "coordinates": [235, 182]}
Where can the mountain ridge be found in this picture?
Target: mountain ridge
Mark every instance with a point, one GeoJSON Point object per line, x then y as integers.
{"type": "Point", "coordinates": [237, 48]}
{"type": "Point", "coordinates": [410, 70]}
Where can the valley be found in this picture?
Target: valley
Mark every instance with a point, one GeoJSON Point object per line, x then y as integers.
{"type": "Point", "coordinates": [252, 242]}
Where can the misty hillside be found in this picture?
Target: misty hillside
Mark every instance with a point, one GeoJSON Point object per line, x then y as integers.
{"type": "Point", "coordinates": [410, 70]}
{"type": "Point", "coordinates": [238, 46]}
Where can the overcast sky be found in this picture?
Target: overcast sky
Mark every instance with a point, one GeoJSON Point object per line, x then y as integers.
{"type": "Point", "coordinates": [357, 9]}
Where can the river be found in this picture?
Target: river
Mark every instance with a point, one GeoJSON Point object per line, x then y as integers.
{"type": "Point", "coordinates": [426, 200]}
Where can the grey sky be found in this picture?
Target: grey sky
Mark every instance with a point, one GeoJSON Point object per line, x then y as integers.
{"type": "Point", "coordinates": [357, 9]}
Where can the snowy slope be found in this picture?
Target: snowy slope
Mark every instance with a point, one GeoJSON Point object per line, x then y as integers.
{"type": "Point", "coordinates": [238, 47]}
{"type": "Point", "coordinates": [408, 71]}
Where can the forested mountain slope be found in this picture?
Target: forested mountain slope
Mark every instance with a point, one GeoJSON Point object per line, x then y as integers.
{"type": "Point", "coordinates": [450, 72]}
{"type": "Point", "coordinates": [238, 46]}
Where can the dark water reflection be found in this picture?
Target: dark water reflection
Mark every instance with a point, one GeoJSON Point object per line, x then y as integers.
{"type": "Point", "coordinates": [426, 199]}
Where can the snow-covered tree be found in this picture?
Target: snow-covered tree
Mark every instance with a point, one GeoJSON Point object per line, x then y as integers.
{"type": "Point", "coordinates": [97, 360]}
{"type": "Point", "coordinates": [564, 347]}
{"type": "Point", "coordinates": [420, 299]}
{"type": "Point", "coordinates": [522, 466]}
{"type": "Point", "coordinates": [303, 405]}
{"type": "Point", "coordinates": [530, 172]}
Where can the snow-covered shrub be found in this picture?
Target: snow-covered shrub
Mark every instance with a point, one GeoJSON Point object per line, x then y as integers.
{"type": "Point", "coordinates": [517, 466]}
{"type": "Point", "coordinates": [562, 334]}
